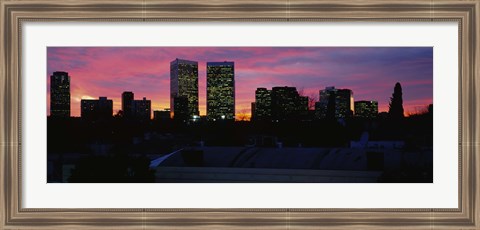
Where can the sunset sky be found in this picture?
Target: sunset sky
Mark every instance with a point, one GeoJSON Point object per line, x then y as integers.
{"type": "Point", "coordinates": [370, 72]}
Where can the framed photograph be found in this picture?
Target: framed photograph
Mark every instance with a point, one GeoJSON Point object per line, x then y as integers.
{"type": "Point", "coordinates": [234, 114]}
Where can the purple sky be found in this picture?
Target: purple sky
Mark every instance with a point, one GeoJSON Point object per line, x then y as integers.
{"type": "Point", "coordinates": [370, 72]}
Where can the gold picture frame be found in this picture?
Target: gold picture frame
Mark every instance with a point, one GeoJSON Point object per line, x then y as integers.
{"type": "Point", "coordinates": [15, 12]}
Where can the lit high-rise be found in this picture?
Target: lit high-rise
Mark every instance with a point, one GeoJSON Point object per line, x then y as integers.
{"type": "Point", "coordinates": [287, 104]}
{"type": "Point", "coordinates": [263, 104]}
{"type": "Point", "coordinates": [220, 91]}
{"type": "Point", "coordinates": [184, 83]}
{"type": "Point", "coordinates": [335, 103]}
{"type": "Point", "coordinates": [344, 106]}
{"type": "Point", "coordinates": [366, 109]}
{"type": "Point", "coordinates": [60, 94]}
{"type": "Point", "coordinates": [322, 105]}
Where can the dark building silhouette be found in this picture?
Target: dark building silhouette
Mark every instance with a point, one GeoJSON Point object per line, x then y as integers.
{"type": "Point", "coordinates": [220, 91]}
{"type": "Point", "coordinates": [184, 83]}
{"type": "Point", "coordinates": [60, 94]}
{"type": "Point", "coordinates": [163, 115]}
{"type": "Point", "coordinates": [142, 109]}
{"type": "Point", "coordinates": [101, 109]}
{"type": "Point", "coordinates": [335, 103]}
{"type": "Point", "coordinates": [263, 104]}
{"type": "Point", "coordinates": [127, 103]}
{"type": "Point", "coordinates": [366, 109]}
{"type": "Point", "coordinates": [181, 109]}
{"type": "Point", "coordinates": [287, 104]}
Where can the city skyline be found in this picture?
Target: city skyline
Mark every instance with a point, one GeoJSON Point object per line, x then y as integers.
{"type": "Point", "coordinates": [369, 72]}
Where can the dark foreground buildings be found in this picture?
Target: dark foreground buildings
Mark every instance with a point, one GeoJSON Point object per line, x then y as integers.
{"type": "Point", "coordinates": [161, 115]}
{"type": "Point", "coordinates": [181, 109]}
{"type": "Point", "coordinates": [101, 109]}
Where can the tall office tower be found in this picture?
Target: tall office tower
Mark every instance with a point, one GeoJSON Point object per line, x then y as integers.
{"type": "Point", "coordinates": [366, 109]}
{"type": "Point", "coordinates": [101, 109]}
{"type": "Point", "coordinates": [127, 103]}
{"type": "Point", "coordinates": [60, 94]}
{"type": "Point", "coordinates": [142, 109]}
{"type": "Point", "coordinates": [263, 104]}
{"type": "Point", "coordinates": [184, 83]}
{"type": "Point", "coordinates": [220, 91]}
{"type": "Point", "coordinates": [337, 103]}
{"type": "Point", "coordinates": [344, 106]}
{"type": "Point", "coordinates": [322, 105]}
{"type": "Point", "coordinates": [287, 104]}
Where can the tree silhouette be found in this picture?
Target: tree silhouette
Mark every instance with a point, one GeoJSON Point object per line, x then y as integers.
{"type": "Point", "coordinates": [396, 103]}
{"type": "Point", "coordinates": [242, 115]}
{"type": "Point", "coordinates": [312, 98]}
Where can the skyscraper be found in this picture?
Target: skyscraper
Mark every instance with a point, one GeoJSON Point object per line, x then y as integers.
{"type": "Point", "coordinates": [220, 91]}
{"type": "Point", "coordinates": [263, 104]}
{"type": "Point", "coordinates": [366, 109]}
{"type": "Point", "coordinates": [287, 104]}
{"type": "Point", "coordinates": [322, 105]}
{"type": "Point", "coordinates": [127, 103]}
{"type": "Point", "coordinates": [60, 94]}
{"type": "Point", "coordinates": [101, 109]}
{"type": "Point", "coordinates": [344, 106]}
{"type": "Point", "coordinates": [184, 83]}
{"type": "Point", "coordinates": [337, 103]}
